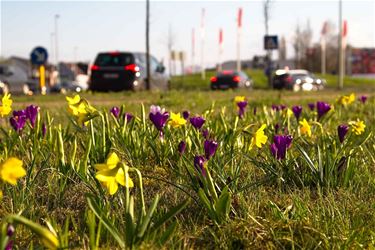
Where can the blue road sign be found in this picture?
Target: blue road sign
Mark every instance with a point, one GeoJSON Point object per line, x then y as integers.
{"type": "Point", "coordinates": [39, 56]}
{"type": "Point", "coordinates": [271, 42]}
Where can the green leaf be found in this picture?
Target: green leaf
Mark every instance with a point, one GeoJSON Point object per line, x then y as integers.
{"type": "Point", "coordinates": [147, 220]}
{"type": "Point", "coordinates": [172, 212]}
{"type": "Point", "coordinates": [110, 227]}
{"type": "Point", "coordinates": [168, 233]}
{"type": "Point", "coordinates": [222, 206]}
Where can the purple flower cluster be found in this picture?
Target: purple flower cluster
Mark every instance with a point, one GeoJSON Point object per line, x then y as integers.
{"type": "Point", "coordinates": [210, 147]}
{"type": "Point", "coordinates": [278, 107]}
{"type": "Point", "coordinates": [363, 98]}
{"type": "Point", "coordinates": [241, 108]}
{"type": "Point", "coordinates": [115, 111]}
{"type": "Point", "coordinates": [341, 131]}
{"type": "Point", "coordinates": [19, 118]}
{"type": "Point", "coordinates": [311, 106]}
{"type": "Point", "coordinates": [199, 162]}
{"type": "Point", "coordinates": [297, 110]}
{"type": "Point", "coordinates": [279, 146]}
{"type": "Point", "coordinates": [159, 118]}
{"type": "Point", "coordinates": [322, 108]}
{"type": "Point", "coordinates": [197, 122]}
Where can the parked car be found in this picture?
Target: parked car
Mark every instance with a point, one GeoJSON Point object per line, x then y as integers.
{"type": "Point", "coordinates": [13, 79]}
{"type": "Point", "coordinates": [230, 79]}
{"type": "Point", "coordinates": [296, 80]}
{"type": "Point", "coordinates": [117, 71]}
{"type": "Point", "coordinates": [65, 87]}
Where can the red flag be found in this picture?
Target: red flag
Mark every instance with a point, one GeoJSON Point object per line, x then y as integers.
{"type": "Point", "coordinates": [239, 18]}
{"type": "Point", "coordinates": [325, 28]}
{"type": "Point", "coordinates": [221, 36]}
{"type": "Point", "coordinates": [345, 29]}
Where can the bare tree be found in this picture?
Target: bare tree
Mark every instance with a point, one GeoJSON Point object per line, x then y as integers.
{"type": "Point", "coordinates": [148, 71]}
{"type": "Point", "coordinates": [302, 43]}
{"type": "Point", "coordinates": [282, 49]}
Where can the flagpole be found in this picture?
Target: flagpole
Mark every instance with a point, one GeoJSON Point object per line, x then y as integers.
{"type": "Point", "coordinates": [202, 46]}
{"type": "Point", "coordinates": [341, 62]}
{"type": "Point", "coordinates": [192, 50]}
{"type": "Point", "coordinates": [239, 24]}
{"type": "Point", "coordinates": [220, 49]}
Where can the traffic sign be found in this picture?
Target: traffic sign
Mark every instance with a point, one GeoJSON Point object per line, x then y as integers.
{"type": "Point", "coordinates": [39, 56]}
{"type": "Point", "coordinates": [271, 42]}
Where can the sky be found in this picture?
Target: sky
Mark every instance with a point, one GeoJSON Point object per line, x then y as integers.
{"type": "Point", "coordinates": [88, 27]}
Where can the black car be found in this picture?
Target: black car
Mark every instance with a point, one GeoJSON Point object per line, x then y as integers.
{"type": "Point", "coordinates": [296, 80]}
{"type": "Point", "coordinates": [117, 71]}
{"type": "Point", "coordinates": [230, 79]}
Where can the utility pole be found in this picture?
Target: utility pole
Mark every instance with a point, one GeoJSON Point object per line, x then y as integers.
{"type": "Point", "coordinates": [56, 41]}
{"type": "Point", "coordinates": [340, 47]}
{"type": "Point", "coordinates": [202, 45]}
{"type": "Point", "coordinates": [266, 19]}
{"type": "Point", "coordinates": [148, 71]}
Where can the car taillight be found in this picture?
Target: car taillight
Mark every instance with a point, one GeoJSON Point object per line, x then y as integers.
{"type": "Point", "coordinates": [236, 78]}
{"type": "Point", "coordinates": [213, 79]}
{"type": "Point", "coordinates": [132, 67]}
{"type": "Point", "coordinates": [94, 67]}
{"type": "Point", "coordinates": [289, 79]}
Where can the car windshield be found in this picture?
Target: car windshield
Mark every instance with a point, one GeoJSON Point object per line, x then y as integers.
{"type": "Point", "coordinates": [114, 59]}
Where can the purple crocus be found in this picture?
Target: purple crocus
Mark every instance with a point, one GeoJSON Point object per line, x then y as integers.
{"type": "Point", "coordinates": [197, 121]}
{"type": "Point", "coordinates": [363, 98]}
{"type": "Point", "coordinates": [210, 147]}
{"type": "Point", "coordinates": [275, 107]}
{"type": "Point", "coordinates": [128, 117]}
{"type": "Point", "coordinates": [311, 106]}
{"type": "Point", "coordinates": [322, 108]}
{"type": "Point", "coordinates": [279, 146]}
{"type": "Point", "coordinates": [255, 111]}
{"type": "Point", "coordinates": [9, 245]}
{"type": "Point", "coordinates": [297, 110]}
{"type": "Point", "coordinates": [205, 133]}
{"type": "Point", "coordinates": [10, 230]}
{"type": "Point", "coordinates": [44, 129]}
{"type": "Point", "coordinates": [277, 126]}
{"type": "Point", "coordinates": [241, 108]}
{"type": "Point", "coordinates": [18, 120]}
{"type": "Point", "coordinates": [182, 147]}
{"type": "Point", "coordinates": [159, 118]}
{"type": "Point", "coordinates": [341, 131]}
{"type": "Point", "coordinates": [282, 107]}
{"type": "Point", "coordinates": [31, 114]}
{"type": "Point", "coordinates": [199, 162]}
{"type": "Point", "coordinates": [115, 111]}
{"type": "Point", "coordinates": [186, 114]}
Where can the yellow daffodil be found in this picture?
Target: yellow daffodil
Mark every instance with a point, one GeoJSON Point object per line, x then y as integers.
{"type": "Point", "coordinates": [259, 137]}
{"type": "Point", "coordinates": [11, 170]}
{"type": "Point", "coordinates": [288, 112]}
{"type": "Point", "coordinates": [305, 128]}
{"type": "Point", "coordinates": [347, 99]}
{"type": "Point", "coordinates": [111, 173]}
{"type": "Point", "coordinates": [177, 120]}
{"type": "Point", "coordinates": [6, 105]}
{"type": "Point", "coordinates": [81, 109]}
{"type": "Point", "coordinates": [238, 99]}
{"type": "Point", "coordinates": [358, 127]}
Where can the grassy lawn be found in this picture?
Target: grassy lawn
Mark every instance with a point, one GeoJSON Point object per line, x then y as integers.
{"type": "Point", "coordinates": [320, 196]}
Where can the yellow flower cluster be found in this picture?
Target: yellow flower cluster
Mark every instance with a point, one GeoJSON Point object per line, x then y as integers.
{"type": "Point", "coordinates": [259, 137]}
{"type": "Point", "coordinates": [112, 173]}
{"type": "Point", "coordinates": [11, 170]}
{"type": "Point", "coordinates": [346, 99]}
{"type": "Point", "coordinates": [358, 127]}
{"type": "Point", "coordinates": [238, 99]}
{"type": "Point", "coordinates": [305, 128]}
{"type": "Point", "coordinates": [177, 120]}
{"type": "Point", "coordinates": [81, 109]}
{"type": "Point", "coordinates": [6, 105]}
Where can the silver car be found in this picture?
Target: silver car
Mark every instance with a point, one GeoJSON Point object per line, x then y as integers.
{"type": "Point", "coordinates": [13, 79]}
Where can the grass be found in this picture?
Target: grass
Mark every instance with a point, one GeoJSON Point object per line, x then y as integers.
{"type": "Point", "coordinates": [286, 208]}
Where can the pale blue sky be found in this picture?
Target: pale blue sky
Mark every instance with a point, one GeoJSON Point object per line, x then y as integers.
{"type": "Point", "coordinates": [94, 26]}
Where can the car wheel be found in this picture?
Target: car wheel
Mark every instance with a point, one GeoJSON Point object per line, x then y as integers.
{"type": "Point", "coordinates": [26, 89]}
{"type": "Point", "coordinates": [4, 88]}
{"type": "Point", "coordinates": [296, 87]}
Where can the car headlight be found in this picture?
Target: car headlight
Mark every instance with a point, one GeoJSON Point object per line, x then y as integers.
{"type": "Point", "coordinates": [309, 80]}
{"type": "Point", "coordinates": [298, 81]}
{"type": "Point", "coordinates": [2, 85]}
{"type": "Point", "coordinates": [318, 81]}
{"type": "Point", "coordinates": [307, 86]}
